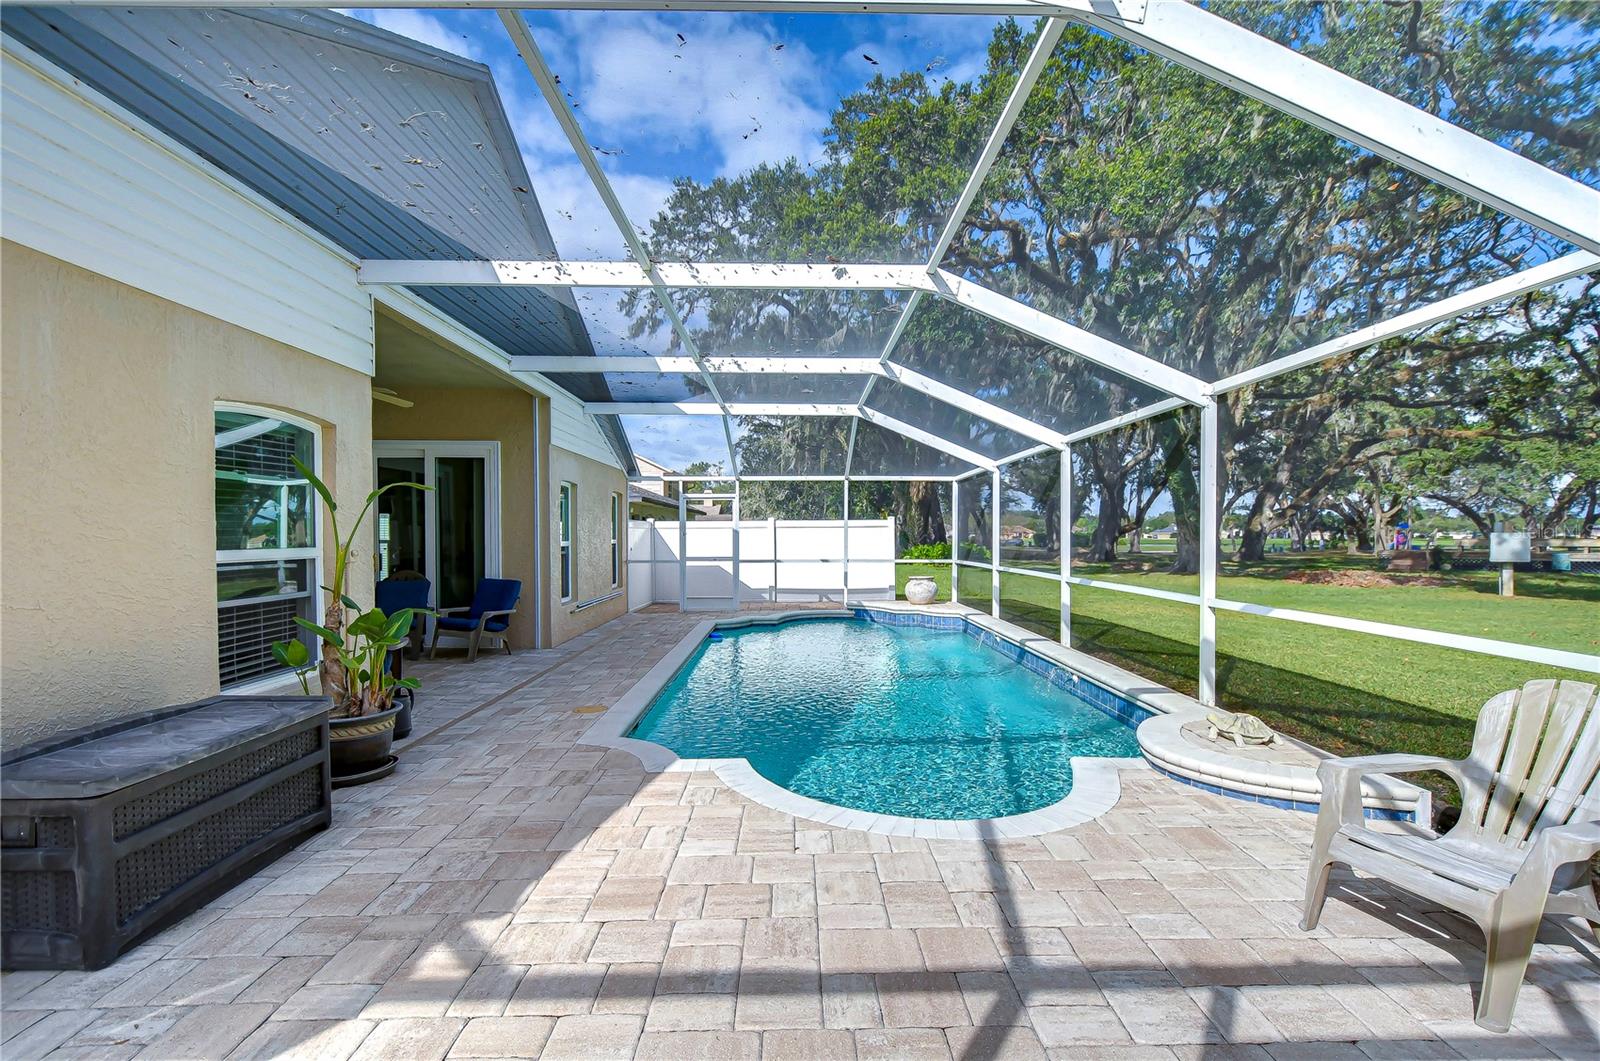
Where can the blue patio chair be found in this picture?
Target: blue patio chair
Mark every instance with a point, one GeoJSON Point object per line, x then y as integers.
{"type": "Point", "coordinates": [488, 616]}
{"type": "Point", "coordinates": [405, 591]}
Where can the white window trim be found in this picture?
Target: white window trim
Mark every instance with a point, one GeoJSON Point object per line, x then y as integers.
{"type": "Point", "coordinates": [313, 553]}
{"type": "Point", "coordinates": [568, 570]}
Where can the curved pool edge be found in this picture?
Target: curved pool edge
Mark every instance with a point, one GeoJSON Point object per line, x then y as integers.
{"type": "Point", "coordinates": [1216, 772]}
{"type": "Point", "coordinates": [1095, 784]}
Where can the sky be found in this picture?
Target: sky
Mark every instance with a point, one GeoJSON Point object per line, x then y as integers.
{"type": "Point", "coordinates": [670, 95]}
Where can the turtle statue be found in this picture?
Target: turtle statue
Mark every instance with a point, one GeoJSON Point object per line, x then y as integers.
{"type": "Point", "coordinates": [1244, 729]}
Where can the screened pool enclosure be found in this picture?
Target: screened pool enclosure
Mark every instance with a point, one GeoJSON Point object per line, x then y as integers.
{"type": "Point", "coordinates": [1096, 223]}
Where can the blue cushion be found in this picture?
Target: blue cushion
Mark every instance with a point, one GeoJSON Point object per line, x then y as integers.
{"type": "Point", "coordinates": [456, 622]}
{"type": "Point", "coordinates": [495, 595]}
{"type": "Point", "coordinates": [392, 595]}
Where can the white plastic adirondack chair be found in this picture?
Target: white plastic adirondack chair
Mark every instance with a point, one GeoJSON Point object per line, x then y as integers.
{"type": "Point", "coordinates": [1530, 823]}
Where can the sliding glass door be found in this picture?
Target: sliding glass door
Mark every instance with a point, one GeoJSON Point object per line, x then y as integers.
{"type": "Point", "coordinates": [450, 534]}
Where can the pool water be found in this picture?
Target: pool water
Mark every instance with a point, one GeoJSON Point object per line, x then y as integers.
{"type": "Point", "coordinates": [891, 719]}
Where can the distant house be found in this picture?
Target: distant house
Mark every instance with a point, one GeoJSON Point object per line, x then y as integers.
{"type": "Point", "coordinates": [1017, 535]}
{"type": "Point", "coordinates": [651, 495]}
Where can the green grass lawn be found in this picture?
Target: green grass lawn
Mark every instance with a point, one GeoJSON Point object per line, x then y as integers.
{"type": "Point", "coordinates": [1347, 692]}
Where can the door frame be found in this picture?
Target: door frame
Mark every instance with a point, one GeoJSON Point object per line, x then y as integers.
{"type": "Point", "coordinates": [428, 450]}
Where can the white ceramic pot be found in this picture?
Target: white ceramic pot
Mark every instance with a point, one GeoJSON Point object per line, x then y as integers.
{"type": "Point", "coordinates": [921, 590]}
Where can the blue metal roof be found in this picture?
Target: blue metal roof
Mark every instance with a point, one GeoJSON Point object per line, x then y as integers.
{"type": "Point", "coordinates": [289, 103]}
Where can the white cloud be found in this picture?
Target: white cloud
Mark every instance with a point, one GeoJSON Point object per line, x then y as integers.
{"type": "Point", "coordinates": [422, 27]}
{"type": "Point", "coordinates": [678, 441]}
{"type": "Point", "coordinates": [724, 94]}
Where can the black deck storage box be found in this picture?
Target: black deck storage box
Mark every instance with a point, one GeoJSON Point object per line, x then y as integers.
{"type": "Point", "coordinates": [112, 832]}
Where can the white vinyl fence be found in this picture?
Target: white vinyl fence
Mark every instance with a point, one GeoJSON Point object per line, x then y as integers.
{"type": "Point", "coordinates": [699, 564]}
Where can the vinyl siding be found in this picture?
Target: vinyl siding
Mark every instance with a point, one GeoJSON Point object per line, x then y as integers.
{"type": "Point", "coordinates": [577, 432]}
{"type": "Point", "coordinates": [84, 187]}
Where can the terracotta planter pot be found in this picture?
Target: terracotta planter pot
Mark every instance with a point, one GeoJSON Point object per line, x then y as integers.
{"type": "Point", "coordinates": [921, 590]}
{"type": "Point", "coordinates": [360, 745]}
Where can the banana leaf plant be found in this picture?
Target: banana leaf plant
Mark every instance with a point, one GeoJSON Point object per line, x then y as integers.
{"type": "Point", "coordinates": [353, 651]}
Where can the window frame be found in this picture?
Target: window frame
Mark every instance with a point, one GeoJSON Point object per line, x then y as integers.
{"type": "Point", "coordinates": [566, 517]}
{"type": "Point", "coordinates": [311, 553]}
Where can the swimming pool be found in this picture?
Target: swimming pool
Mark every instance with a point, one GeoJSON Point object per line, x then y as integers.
{"type": "Point", "coordinates": [896, 720]}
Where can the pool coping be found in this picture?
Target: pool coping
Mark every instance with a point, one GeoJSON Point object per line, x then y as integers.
{"type": "Point", "coordinates": [1095, 787]}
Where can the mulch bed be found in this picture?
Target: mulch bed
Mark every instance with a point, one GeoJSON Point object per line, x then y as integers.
{"type": "Point", "coordinates": [1361, 579]}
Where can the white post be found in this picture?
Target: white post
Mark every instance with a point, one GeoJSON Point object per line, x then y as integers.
{"type": "Point", "coordinates": [738, 592]}
{"type": "Point", "coordinates": [955, 540]}
{"type": "Point", "coordinates": [1065, 522]}
{"type": "Point", "coordinates": [994, 545]}
{"type": "Point", "coordinates": [772, 528]}
{"type": "Point", "coordinates": [845, 600]}
{"type": "Point", "coordinates": [1208, 553]}
{"type": "Point", "coordinates": [683, 547]}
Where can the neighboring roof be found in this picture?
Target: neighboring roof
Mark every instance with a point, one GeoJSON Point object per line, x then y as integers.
{"type": "Point", "coordinates": [387, 147]}
{"type": "Point", "coordinates": [650, 497]}
{"type": "Point", "coordinates": [654, 469]}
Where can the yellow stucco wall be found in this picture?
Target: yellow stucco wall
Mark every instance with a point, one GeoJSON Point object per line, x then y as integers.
{"type": "Point", "coordinates": [109, 543]}
{"type": "Point", "coordinates": [505, 416]}
{"type": "Point", "coordinates": [591, 543]}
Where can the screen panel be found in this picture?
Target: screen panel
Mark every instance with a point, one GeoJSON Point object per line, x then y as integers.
{"type": "Point", "coordinates": [880, 451]}
{"type": "Point", "coordinates": [687, 444]}
{"type": "Point", "coordinates": [791, 445]}
{"type": "Point", "coordinates": [964, 429]}
{"type": "Point", "coordinates": [778, 387]}
{"type": "Point", "coordinates": [770, 137]}
{"type": "Point", "coordinates": [1519, 74]}
{"type": "Point", "coordinates": [742, 322]}
{"type": "Point", "coordinates": [1141, 503]}
{"type": "Point", "coordinates": [1369, 486]}
{"type": "Point", "coordinates": [1030, 513]}
{"type": "Point", "coordinates": [993, 361]}
{"type": "Point", "coordinates": [1167, 213]}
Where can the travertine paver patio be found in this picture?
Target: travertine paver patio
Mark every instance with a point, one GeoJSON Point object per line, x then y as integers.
{"type": "Point", "coordinates": [512, 892]}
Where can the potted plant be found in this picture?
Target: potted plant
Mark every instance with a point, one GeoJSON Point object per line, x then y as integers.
{"type": "Point", "coordinates": [352, 669]}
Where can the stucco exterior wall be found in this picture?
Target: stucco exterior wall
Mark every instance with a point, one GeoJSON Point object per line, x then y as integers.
{"type": "Point", "coordinates": [109, 544]}
{"type": "Point", "coordinates": [591, 543]}
{"type": "Point", "coordinates": [505, 416]}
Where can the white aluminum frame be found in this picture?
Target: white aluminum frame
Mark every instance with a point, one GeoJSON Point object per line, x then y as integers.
{"type": "Point", "coordinates": [429, 451]}
{"type": "Point", "coordinates": [1176, 30]}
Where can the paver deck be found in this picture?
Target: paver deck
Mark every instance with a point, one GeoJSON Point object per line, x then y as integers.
{"type": "Point", "coordinates": [512, 892]}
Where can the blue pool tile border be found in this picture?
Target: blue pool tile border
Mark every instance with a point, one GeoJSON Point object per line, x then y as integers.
{"type": "Point", "coordinates": [1106, 700]}
{"type": "Point", "coordinates": [1373, 813]}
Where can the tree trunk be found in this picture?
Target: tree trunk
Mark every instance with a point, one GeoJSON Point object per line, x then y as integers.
{"type": "Point", "coordinates": [1358, 538]}
{"type": "Point", "coordinates": [1253, 542]}
{"type": "Point", "coordinates": [1257, 528]}
{"type": "Point", "coordinates": [1184, 489]}
{"type": "Point", "coordinates": [1080, 501]}
{"type": "Point", "coordinates": [1379, 524]}
{"type": "Point", "coordinates": [1110, 482]}
{"type": "Point", "coordinates": [924, 519]}
{"type": "Point", "coordinates": [1103, 546]}
{"type": "Point", "coordinates": [975, 521]}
